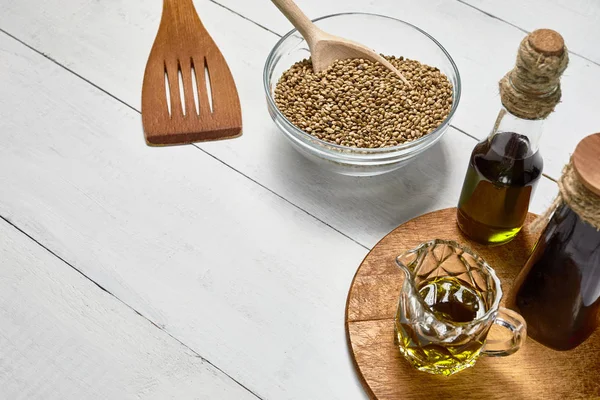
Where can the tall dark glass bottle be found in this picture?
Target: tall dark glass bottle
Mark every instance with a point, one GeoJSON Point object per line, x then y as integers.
{"type": "Point", "coordinates": [558, 290]}
{"type": "Point", "coordinates": [559, 293]}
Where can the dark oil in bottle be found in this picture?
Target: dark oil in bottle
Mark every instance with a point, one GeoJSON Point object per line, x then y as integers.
{"type": "Point", "coordinates": [558, 290]}
{"type": "Point", "coordinates": [502, 175]}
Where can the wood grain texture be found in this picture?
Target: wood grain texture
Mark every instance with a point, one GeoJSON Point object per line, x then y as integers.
{"type": "Point", "coordinates": [103, 206]}
{"type": "Point", "coordinates": [62, 337]}
{"type": "Point", "coordinates": [534, 372]}
{"type": "Point", "coordinates": [363, 209]}
{"type": "Point", "coordinates": [239, 275]}
{"type": "Point", "coordinates": [586, 160]}
{"type": "Point", "coordinates": [150, 226]}
{"type": "Point", "coordinates": [547, 41]}
{"type": "Point", "coordinates": [576, 20]}
{"type": "Point", "coordinates": [184, 51]}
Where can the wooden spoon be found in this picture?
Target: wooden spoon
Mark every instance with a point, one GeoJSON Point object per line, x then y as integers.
{"type": "Point", "coordinates": [175, 109]}
{"type": "Point", "coordinates": [326, 48]}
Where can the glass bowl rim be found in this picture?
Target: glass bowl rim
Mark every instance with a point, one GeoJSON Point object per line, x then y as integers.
{"type": "Point", "coordinates": [363, 150]}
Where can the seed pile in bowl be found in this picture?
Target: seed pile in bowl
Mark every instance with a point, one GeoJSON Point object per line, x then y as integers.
{"type": "Point", "coordinates": [359, 103]}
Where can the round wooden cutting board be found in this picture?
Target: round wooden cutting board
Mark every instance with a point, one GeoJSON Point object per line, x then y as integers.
{"type": "Point", "coordinates": [534, 372]}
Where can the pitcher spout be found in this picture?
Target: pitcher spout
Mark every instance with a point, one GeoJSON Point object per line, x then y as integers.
{"type": "Point", "coordinates": [410, 263]}
{"type": "Point", "coordinates": [401, 263]}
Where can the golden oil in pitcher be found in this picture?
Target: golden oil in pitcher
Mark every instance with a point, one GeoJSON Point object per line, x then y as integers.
{"type": "Point", "coordinates": [452, 301]}
{"type": "Point", "coordinates": [449, 301]}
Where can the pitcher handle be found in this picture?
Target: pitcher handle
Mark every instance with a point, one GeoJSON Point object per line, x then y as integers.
{"type": "Point", "coordinates": [514, 322]}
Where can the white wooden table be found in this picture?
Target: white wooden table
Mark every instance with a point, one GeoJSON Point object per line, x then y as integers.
{"type": "Point", "coordinates": [216, 271]}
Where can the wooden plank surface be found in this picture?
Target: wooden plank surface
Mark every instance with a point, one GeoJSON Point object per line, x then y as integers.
{"type": "Point", "coordinates": [238, 272]}
{"type": "Point", "coordinates": [577, 20]}
{"type": "Point", "coordinates": [262, 154]}
{"type": "Point", "coordinates": [239, 275]}
{"type": "Point", "coordinates": [62, 337]}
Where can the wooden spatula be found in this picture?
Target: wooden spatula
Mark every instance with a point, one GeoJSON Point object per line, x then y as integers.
{"type": "Point", "coordinates": [188, 93]}
{"type": "Point", "coordinates": [326, 48]}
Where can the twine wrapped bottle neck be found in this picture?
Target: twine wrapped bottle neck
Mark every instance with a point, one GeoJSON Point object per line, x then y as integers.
{"type": "Point", "coordinates": [531, 89]}
{"type": "Point", "coordinates": [579, 185]}
{"type": "Point", "coordinates": [574, 194]}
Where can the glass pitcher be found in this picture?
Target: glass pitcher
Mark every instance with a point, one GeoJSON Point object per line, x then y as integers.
{"type": "Point", "coordinates": [449, 301]}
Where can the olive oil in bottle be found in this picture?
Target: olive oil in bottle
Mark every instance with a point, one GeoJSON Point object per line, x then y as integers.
{"type": "Point", "coordinates": [504, 169]}
{"type": "Point", "coordinates": [501, 178]}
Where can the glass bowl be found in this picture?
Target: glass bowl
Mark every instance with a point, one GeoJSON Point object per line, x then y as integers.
{"type": "Point", "coordinates": [385, 35]}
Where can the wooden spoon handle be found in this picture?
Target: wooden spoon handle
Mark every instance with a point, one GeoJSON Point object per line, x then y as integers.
{"type": "Point", "coordinates": [300, 21]}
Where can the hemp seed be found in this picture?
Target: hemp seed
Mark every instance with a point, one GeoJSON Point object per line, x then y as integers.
{"type": "Point", "coordinates": [359, 103]}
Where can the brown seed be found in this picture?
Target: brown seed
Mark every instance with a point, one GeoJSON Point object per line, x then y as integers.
{"type": "Point", "coordinates": [358, 103]}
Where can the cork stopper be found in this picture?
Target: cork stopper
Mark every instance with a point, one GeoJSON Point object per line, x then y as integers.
{"type": "Point", "coordinates": [547, 42]}
{"type": "Point", "coordinates": [586, 162]}
{"type": "Point", "coordinates": [531, 89]}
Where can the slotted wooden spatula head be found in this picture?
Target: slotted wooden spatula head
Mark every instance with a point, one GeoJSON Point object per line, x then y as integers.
{"type": "Point", "coordinates": [188, 94]}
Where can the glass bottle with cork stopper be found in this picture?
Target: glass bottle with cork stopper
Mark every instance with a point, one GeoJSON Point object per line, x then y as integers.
{"type": "Point", "coordinates": [558, 290]}
{"type": "Point", "coordinates": [505, 168]}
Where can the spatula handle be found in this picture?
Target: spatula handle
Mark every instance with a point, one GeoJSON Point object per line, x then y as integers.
{"type": "Point", "coordinates": [181, 11]}
{"type": "Point", "coordinates": [300, 21]}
